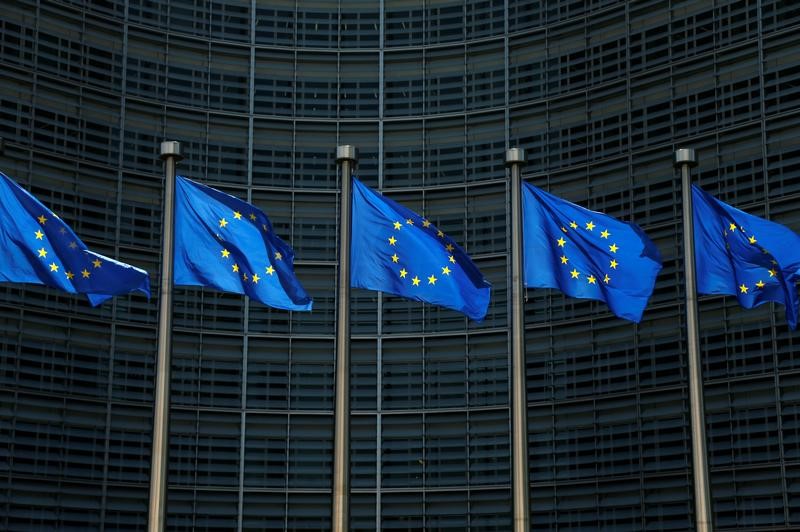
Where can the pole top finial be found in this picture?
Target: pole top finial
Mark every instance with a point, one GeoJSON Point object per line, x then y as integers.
{"type": "Point", "coordinates": [515, 156]}
{"type": "Point", "coordinates": [346, 152]}
{"type": "Point", "coordinates": [685, 156]}
{"type": "Point", "coordinates": [171, 148]}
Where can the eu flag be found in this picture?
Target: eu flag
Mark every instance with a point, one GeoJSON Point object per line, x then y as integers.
{"type": "Point", "coordinates": [743, 255]}
{"type": "Point", "coordinates": [226, 243]}
{"type": "Point", "coordinates": [587, 254]}
{"type": "Point", "coordinates": [397, 251]}
{"type": "Point", "coordinates": [40, 248]}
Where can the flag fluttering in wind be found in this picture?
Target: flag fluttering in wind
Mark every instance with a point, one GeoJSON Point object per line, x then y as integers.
{"type": "Point", "coordinates": [228, 244]}
{"type": "Point", "coordinates": [587, 254]}
{"type": "Point", "coordinates": [38, 247]}
{"type": "Point", "coordinates": [397, 251]}
{"type": "Point", "coordinates": [742, 255]}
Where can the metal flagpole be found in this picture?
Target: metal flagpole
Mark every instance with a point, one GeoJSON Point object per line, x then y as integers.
{"type": "Point", "coordinates": [685, 159]}
{"type": "Point", "coordinates": [346, 157]}
{"type": "Point", "coordinates": [171, 154]}
{"type": "Point", "coordinates": [515, 158]}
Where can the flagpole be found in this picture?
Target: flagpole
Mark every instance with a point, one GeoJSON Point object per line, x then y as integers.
{"type": "Point", "coordinates": [686, 159]}
{"type": "Point", "coordinates": [346, 157]}
{"type": "Point", "coordinates": [170, 154]}
{"type": "Point", "coordinates": [515, 158]}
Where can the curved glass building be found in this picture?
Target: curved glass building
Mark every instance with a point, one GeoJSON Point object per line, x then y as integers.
{"type": "Point", "coordinates": [432, 92]}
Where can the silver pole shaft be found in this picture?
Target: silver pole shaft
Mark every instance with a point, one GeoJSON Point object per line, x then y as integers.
{"type": "Point", "coordinates": [685, 158]}
{"type": "Point", "coordinates": [346, 157]}
{"type": "Point", "coordinates": [171, 154]}
{"type": "Point", "coordinates": [519, 404]}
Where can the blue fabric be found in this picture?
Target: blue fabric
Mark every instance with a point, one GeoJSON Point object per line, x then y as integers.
{"type": "Point", "coordinates": [397, 251]}
{"type": "Point", "coordinates": [743, 255]}
{"type": "Point", "coordinates": [587, 254]}
{"type": "Point", "coordinates": [225, 243]}
{"type": "Point", "coordinates": [39, 248]}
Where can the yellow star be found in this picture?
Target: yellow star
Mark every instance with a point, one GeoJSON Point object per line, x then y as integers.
{"type": "Point", "coordinates": [270, 270]}
{"type": "Point", "coordinates": [743, 289]}
{"type": "Point", "coordinates": [449, 247]}
{"type": "Point", "coordinates": [395, 258]}
{"type": "Point", "coordinates": [237, 215]}
{"type": "Point", "coordinates": [415, 281]}
{"type": "Point", "coordinates": [70, 275]}
{"type": "Point", "coordinates": [613, 248]}
{"type": "Point", "coordinates": [760, 284]}
{"type": "Point", "coordinates": [235, 267]}
{"type": "Point", "coordinates": [85, 273]}
{"type": "Point", "coordinates": [278, 255]}
{"type": "Point", "coordinates": [42, 219]}
{"type": "Point", "coordinates": [225, 253]}
{"type": "Point", "coordinates": [244, 277]}
{"type": "Point", "coordinates": [605, 233]}
{"type": "Point", "coordinates": [398, 225]}
{"type": "Point", "coordinates": [614, 264]}
{"type": "Point", "coordinates": [72, 245]}
{"type": "Point", "coordinates": [573, 225]}
{"type": "Point", "coordinates": [409, 221]}
{"type": "Point", "coordinates": [575, 273]}
{"type": "Point", "coordinates": [563, 229]}
{"type": "Point", "coordinates": [564, 259]}
{"type": "Point", "coordinates": [432, 279]}
{"type": "Point", "coordinates": [265, 228]}
{"type": "Point", "coordinates": [752, 240]}
{"type": "Point", "coordinates": [223, 222]}
{"type": "Point", "coordinates": [772, 273]}
{"type": "Point", "coordinates": [256, 278]}
{"type": "Point", "coordinates": [97, 263]}
{"type": "Point", "coordinates": [439, 233]}
{"type": "Point", "coordinates": [392, 241]}
{"type": "Point", "coordinates": [53, 267]}
{"type": "Point", "coordinates": [590, 225]}
{"type": "Point", "coordinates": [62, 231]}
{"type": "Point", "coordinates": [403, 273]}
{"type": "Point", "coordinates": [42, 252]}
{"type": "Point", "coordinates": [252, 217]}
{"type": "Point", "coordinates": [451, 259]}
{"type": "Point", "coordinates": [38, 234]}
{"type": "Point", "coordinates": [425, 223]}
{"type": "Point", "coordinates": [446, 270]}
{"type": "Point", "coordinates": [606, 279]}
{"type": "Point", "coordinates": [561, 242]}
{"type": "Point", "coordinates": [741, 229]}
{"type": "Point", "coordinates": [591, 279]}
{"type": "Point", "coordinates": [732, 227]}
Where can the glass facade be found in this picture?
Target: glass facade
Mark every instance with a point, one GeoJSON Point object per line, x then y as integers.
{"type": "Point", "coordinates": [432, 92]}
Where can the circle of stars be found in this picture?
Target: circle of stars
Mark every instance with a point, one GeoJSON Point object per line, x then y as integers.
{"type": "Point", "coordinates": [226, 254]}
{"type": "Point", "coordinates": [403, 273]}
{"type": "Point", "coordinates": [590, 278]}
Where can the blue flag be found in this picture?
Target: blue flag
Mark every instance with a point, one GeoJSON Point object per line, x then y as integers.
{"type": "Point", "coordinates": [226, 243]}
{"type": "Point", "coordinates": [587, 254]}
{"type": "Point", "coordinates": [395, 250]}
{"type": "Point", "coordinates": [39, 248]}
{"type": "Point", "coordinates": [743, 255]}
